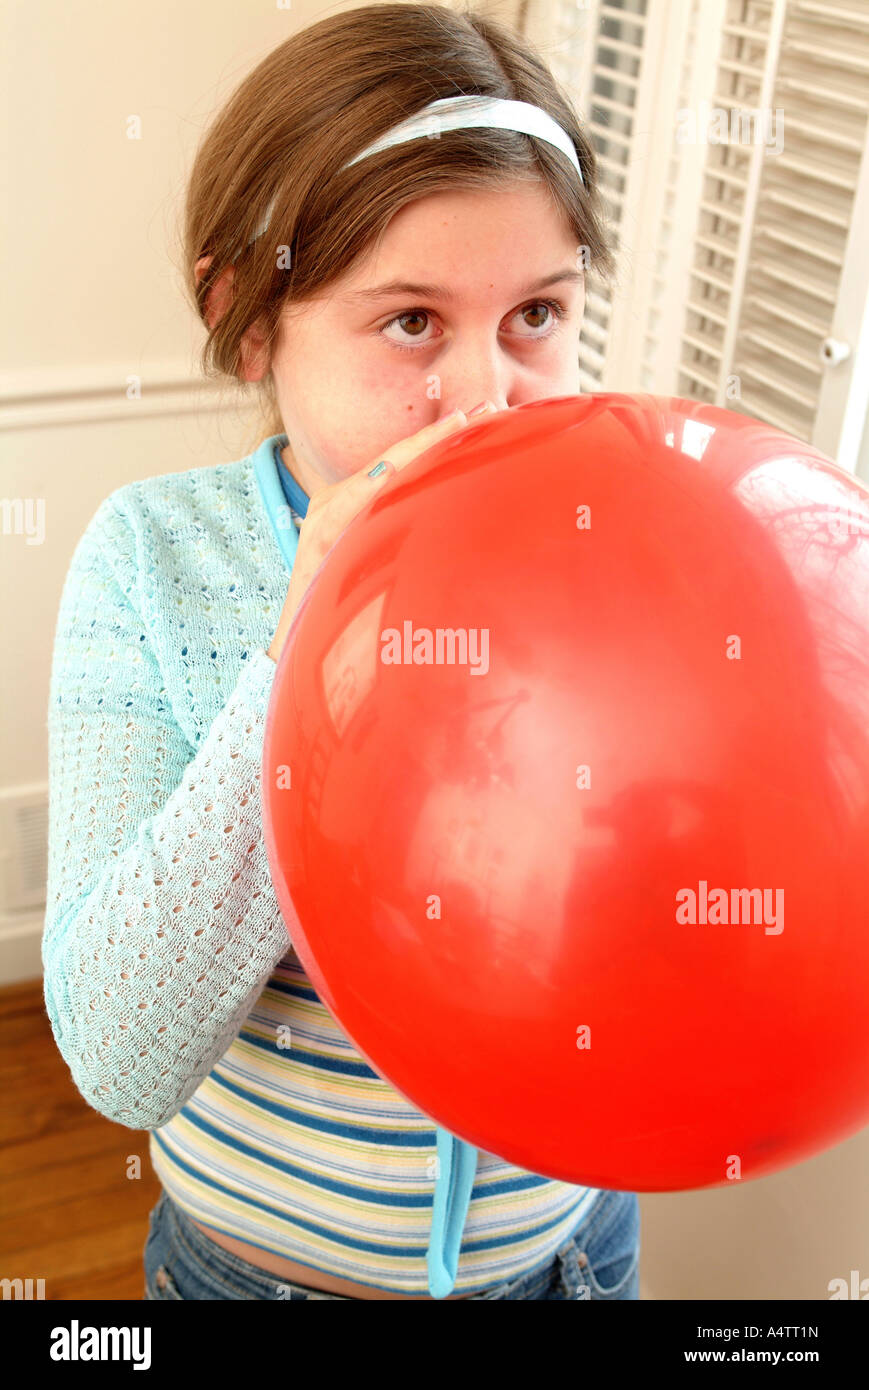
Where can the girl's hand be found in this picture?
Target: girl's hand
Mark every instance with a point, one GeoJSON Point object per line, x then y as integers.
{"type": "Point", "coordinates": [332, 509]}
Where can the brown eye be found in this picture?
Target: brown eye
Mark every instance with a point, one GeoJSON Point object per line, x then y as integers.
{"type": "Point", "coordinates": [547, 313]}
{"type": "Point", "coordinates": [541, 311]}
{"type": "Point", "coordinates": [408, 325]}
{"type": "Point", "coordinates": [412, 314]}
{"type": "Point", "coordinates": [542, 318]}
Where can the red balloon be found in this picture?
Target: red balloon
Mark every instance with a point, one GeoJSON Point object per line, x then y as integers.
{"type": "Point", "coordinates": [566, 791]}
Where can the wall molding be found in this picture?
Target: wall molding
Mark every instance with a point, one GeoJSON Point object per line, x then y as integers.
{"type": "Point", "coordinates": [54, 396]}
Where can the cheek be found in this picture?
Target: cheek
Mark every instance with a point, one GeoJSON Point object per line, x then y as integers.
{"type": "Point", "coordinates": [560, 368]}
{"type": "Point", "coordinates": [357, 429]}
{"type": "Point", "coordinates": [391, 398]}
{"type": "Point", "coordinates": [390, 383]}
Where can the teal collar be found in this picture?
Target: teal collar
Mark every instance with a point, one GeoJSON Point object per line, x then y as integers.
{"type": "Point", "coordinates": [265, 467]}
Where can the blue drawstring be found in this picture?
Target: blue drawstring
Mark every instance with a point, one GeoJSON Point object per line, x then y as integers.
{"type": "Point", "coordinates": [457, 1166]}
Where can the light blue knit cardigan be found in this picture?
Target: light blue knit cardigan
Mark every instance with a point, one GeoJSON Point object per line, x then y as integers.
{"type": "Point", "coordinates": [159, 690]}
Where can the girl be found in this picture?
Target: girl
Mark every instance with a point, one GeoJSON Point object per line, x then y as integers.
{"type": "Point", "coordinates": [382, 292]}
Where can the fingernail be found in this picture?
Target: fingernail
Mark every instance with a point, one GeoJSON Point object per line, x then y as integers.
{"type": "Point", "coordinates": [478, 409]}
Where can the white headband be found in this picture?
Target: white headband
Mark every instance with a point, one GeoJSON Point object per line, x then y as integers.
{"type": "Point", "coordinates": [461, 113]}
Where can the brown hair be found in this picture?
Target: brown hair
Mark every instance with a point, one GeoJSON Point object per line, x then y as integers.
{"type": "Point", "coordinates": [316, 101]}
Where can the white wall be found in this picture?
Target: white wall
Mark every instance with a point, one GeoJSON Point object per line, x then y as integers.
{"type": "Point", "coordinates": [92, 230]}
{"type": "Point", "coordinates": [91, 298]}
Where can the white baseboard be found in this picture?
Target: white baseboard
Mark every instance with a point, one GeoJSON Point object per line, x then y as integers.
{"type": "Point", "coordinates": [20, 947]}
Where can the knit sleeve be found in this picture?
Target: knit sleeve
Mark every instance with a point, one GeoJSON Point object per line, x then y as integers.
{"type": "Point", "coordinates": [161, 925]}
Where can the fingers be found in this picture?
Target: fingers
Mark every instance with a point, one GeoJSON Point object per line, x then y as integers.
{"type": "Point", "coordinates": [332, 508]}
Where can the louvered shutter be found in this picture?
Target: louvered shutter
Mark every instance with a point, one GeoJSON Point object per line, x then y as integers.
{"type": "Point", "coordinates": [596, 51]}
{"type": "Point", "coordinates": [743, 268]}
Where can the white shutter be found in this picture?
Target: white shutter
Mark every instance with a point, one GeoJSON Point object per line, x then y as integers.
{"type": "Point", "coordinates": [739, 266]}
{"type": "Point", "coordinates": [597, 53]}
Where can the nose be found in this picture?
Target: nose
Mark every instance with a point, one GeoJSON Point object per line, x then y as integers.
{"type": "Point", "coordinates": [476, 371]}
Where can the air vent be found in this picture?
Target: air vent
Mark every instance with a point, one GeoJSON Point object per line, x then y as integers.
{"type": "Point", "coordinates": [24, 830]}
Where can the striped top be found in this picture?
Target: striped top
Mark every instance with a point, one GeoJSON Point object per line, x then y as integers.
{"type": "Point", "coordinates": [173, 992]}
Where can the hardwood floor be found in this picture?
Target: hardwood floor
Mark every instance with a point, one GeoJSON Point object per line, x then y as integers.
{"type": "Point", "coordinates": [69, 1213]}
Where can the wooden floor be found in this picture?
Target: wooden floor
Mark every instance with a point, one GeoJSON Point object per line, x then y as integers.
{"type": "Point", "coordinates": [69, 1214]}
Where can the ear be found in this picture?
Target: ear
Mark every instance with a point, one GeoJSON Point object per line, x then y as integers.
{"type": "Point", "coordinates": [220, 295]}
{"type": "Point", "coordinates": [255, 357]}
{"type": "Point", "coordinates": [254, 353]}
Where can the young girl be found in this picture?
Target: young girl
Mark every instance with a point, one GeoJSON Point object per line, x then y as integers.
{"type": "Point", "coordinates": [381, 291]}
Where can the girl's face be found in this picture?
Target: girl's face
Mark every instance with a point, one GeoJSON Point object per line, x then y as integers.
{"type": "Point", "coordinates": [463, 300]}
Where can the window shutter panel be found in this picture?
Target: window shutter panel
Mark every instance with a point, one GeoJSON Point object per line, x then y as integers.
{"type": "Point", "coordinates": [732, 136]}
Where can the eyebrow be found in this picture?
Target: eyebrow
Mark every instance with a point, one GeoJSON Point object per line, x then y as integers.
{"type": "Point", "coordinates": [409, 287]}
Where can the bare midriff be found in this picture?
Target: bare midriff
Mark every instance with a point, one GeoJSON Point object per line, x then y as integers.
{"type": "Point", "coordinates": [309, 1278]}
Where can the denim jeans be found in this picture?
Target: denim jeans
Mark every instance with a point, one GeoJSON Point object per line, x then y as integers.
{"type": "Point", "coordinates": [600, 1260]}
